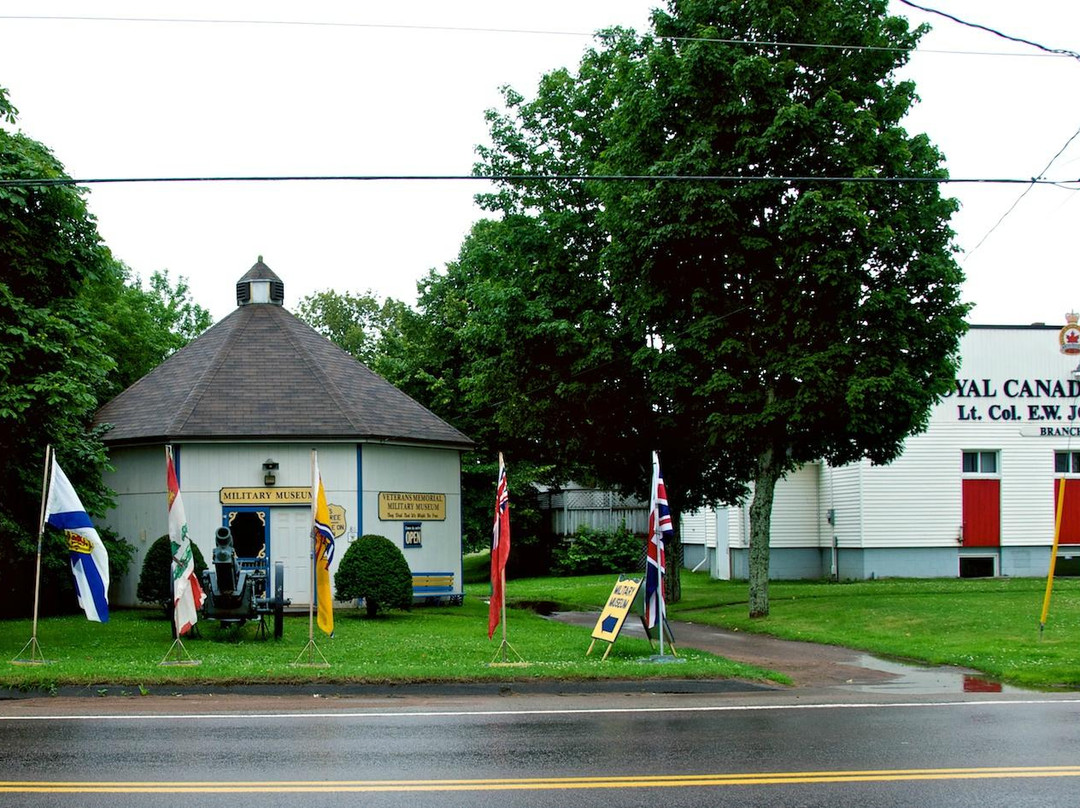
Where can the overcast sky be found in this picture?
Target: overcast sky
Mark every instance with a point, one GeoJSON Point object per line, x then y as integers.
{"type": "Point", "coordinates": [401, 88]}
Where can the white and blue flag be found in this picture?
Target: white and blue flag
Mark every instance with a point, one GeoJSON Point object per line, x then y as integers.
{"type": "Point", "coordinates": [89, 559]}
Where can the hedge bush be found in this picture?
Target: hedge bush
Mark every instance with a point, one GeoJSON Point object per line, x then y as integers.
{"type": "Point", "coordinates": [374, 569]}
{"type": "Point", "coordinates": [155, 580]}
{"type": "Point", "coordinates": [593, 552]}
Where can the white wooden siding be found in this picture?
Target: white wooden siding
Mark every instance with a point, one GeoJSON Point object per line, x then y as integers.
{"type": "Point", "coordinates": [141, 514]}
{"type": "Point", "coordinates": [796, 509]}
{"type": "Point", "coordinates": [417, 470]}
{"type": "Point", "coordinates": [698, 527]}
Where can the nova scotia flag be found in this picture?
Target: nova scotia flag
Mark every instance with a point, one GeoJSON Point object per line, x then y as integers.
{"type": "Point", "coordinates": [89, 559]}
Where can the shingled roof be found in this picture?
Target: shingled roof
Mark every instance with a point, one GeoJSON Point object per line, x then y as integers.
{"type": "Point", "coordinates": [262, 373]}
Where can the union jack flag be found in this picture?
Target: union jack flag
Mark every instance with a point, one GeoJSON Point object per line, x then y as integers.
{"type": "Point", "coordinates": [659, 531]}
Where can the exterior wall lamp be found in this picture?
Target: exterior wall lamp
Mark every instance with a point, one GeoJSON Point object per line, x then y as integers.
{"type": "Point", "coordinates": [269, 472]}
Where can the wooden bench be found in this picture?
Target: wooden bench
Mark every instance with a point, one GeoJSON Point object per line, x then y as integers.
{"type": "Point", "coordinates": [432, 583]}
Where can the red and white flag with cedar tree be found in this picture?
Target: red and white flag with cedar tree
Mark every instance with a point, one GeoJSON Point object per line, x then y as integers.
{"type": "Point", "coordinates": [187, 593]}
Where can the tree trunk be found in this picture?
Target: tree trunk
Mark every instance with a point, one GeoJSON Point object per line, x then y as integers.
{"type": "Point", "coordinates": [760, 527]}
{"type": "Point", "coordinates": [673, 555]}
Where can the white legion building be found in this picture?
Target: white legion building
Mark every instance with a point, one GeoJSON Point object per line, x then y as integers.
{"type": "Point", "coordinates": [974, 495]}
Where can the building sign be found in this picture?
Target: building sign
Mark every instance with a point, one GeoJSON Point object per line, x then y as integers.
{"type": "Point", "coordinates": [265, 496]}
{"type": "Point", "coordinates": [615, 610]}
{"type": "Point", "coordinates": [1012, 400]}
{"type": "Point", "coordinates": [412, 534]}
{"type": "Point", "coordinates": [337, 520]}
{"type": "Point", "coordinates": [611, 619]}
{"type": "Point", "coordinates": [397, 505]}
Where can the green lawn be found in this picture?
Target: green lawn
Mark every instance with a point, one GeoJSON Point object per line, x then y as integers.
{"type": "Point", "coordinates": [987, 624]}
{"type": "Point", "coordinates": [427, 644]}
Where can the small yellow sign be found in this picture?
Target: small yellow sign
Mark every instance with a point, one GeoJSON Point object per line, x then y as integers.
{"type": "Point", "coordinates": [397, 505]}
{"type": "Point", "coordinates": [337, 519]}
{"type": "Point", "coordinates": [618, 607]}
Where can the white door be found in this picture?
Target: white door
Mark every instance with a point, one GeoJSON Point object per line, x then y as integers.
{"type": "Point", "coordinates": [290, 543]}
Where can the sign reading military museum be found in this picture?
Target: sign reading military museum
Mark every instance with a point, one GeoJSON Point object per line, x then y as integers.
{"type": "Point", "coordinates": [613, 616]}
{"type": "Point", "coordinates": [265, 496]}
{"type": "Point", "coordinates": [399, 505]}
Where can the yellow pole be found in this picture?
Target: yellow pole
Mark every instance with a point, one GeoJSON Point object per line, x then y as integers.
{"type": "Point", "coordinates": [1053, 553]}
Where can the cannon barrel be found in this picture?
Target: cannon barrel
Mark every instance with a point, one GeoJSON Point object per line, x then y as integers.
{"type": "Point", "coordinates": [225, 562]}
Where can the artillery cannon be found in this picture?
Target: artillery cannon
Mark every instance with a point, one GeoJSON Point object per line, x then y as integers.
{"type": "Point", "coordinates": [237, 590]}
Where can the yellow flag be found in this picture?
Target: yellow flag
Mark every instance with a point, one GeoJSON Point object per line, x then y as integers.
{"type": "Point", "coordinates": [324, 554]}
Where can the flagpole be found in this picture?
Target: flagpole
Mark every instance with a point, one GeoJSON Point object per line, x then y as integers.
{"type": "Point", "coordinates": [36, 656]}
{"type": "Point", "coordinates": [1053, 555]}
{"type": "Point", "coordinates": [311, 581]}
{"type": "Point", "coordinates": [499, 551]}
{"type": "Point", "coordinates": [311, 649]}
{"type": "Point", "coordinates": [172, 557]}
{"type": "Point", "coordinates": [502, 607]}
{"type": "Point", "coordinates": [177, 653]}
{"type": "Point", "coordinates": [40, 536]}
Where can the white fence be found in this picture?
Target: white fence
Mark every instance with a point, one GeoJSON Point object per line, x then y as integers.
{"type": "Point", "coordinates": [569, 509]}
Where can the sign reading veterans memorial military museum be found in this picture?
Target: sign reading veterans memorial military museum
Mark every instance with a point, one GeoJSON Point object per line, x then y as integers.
{"type": "Point", "coordinates": [399, 505]}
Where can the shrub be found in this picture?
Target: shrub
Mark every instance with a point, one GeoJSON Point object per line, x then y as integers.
{"type": "Point", "coordinates": [592, 552]}
{"type": "Point", "coordinates": [374, 568]}
{"type": "Point", "coordinates": [155, 580]}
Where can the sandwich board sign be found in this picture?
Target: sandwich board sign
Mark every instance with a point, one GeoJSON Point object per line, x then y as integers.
{"type": "Point", "coordinates": [613, 616]}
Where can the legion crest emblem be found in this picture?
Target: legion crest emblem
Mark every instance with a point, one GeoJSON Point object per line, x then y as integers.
{"type": "Point", "coordinates": [1069, 336]}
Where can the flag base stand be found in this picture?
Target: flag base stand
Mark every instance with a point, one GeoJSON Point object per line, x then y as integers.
{"type": "Point", "coordinates": [310, 650]}
{"type": "Point", "coordinates": [36, 656]}
{"type": "Point", "coordinates": [662, 659]}
{"type": "Point", "coordinates": [180, 655]}
{"type": "Point", "coordinates": [503, 647]}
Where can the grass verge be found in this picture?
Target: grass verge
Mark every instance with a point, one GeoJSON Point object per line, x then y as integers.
{"type": "Point", "coordinates": [427, 644]}
{"type": "Point", "coordinates": [988, 624]}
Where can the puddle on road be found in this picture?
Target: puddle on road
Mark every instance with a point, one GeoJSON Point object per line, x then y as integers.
{"type": "Point", "coordinates": [926, 680]}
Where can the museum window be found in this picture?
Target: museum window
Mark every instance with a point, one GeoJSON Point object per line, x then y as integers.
{"type": "Point", "coordinates": [980, 462]}
{"type": "Point", "coordinates": [1066, 462]}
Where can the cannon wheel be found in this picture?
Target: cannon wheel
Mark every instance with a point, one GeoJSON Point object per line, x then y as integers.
{"type": "Point", "coordinates": [279, 599]}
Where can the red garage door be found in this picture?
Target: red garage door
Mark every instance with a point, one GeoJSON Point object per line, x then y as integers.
{"type": "Point", "coordinates": [982, 513]}
{"type": "Point", "coordinates": [1070, 515]}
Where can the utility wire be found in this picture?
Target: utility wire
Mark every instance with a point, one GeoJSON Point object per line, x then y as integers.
{"type": "Point", "coordinates": [514, 31]}
{"type": "Point", "coordinates": [994, 31]}
{"type": "Point", "coordinates": [17, 182]}
{"type": "Point", "coordinates": [1020, 198]}
{"type": "Point", "coordinates": [1021, 40]}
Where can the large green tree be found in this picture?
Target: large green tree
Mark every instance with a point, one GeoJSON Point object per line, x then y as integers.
{"type": "Point", "coordinates": [73, 332]}
{"type": "Point", "coordinates": [785, 266]}
{"type": "Point", "coordinates": [356, 323]}
{"type": "Point", "coordinates": [143, 324]}
{"type": "Point", "coordinates": [52, 360]}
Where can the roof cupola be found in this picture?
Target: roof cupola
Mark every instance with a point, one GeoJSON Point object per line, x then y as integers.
{"type": "Point", "coordinates": [260, 285]}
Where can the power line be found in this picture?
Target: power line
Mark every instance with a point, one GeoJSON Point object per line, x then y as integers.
{"type": "Point", "coordinates": [994, 31]}
{"type": "Point", "coordinates": [1020, 198]}
{"type": "Point", "coordinates": [1021, 40]}
{"type": "Point", "coordinates": [515, 31]}
{"type": "Point", "coordinates": [25, 182]}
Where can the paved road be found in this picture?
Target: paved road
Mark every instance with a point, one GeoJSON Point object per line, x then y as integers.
{"type": "Point", "coordinates": [853, 731]}
{"type": "Point", "coordinates": [577, 747]}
